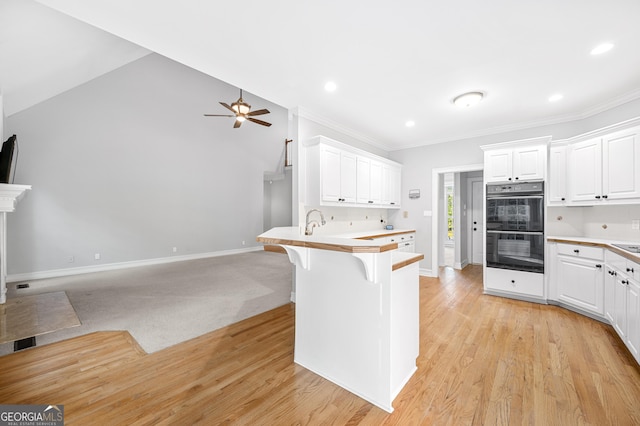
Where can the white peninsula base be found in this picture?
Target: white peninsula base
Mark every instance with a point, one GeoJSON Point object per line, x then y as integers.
{"type": "Point", "coordinates": [357, 314]}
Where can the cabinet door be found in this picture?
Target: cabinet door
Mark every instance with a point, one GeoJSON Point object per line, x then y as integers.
{"type": "Point", "coordinates": [528, 163]}
{"type": "Point", "coordinates": [330, 174]}
{"type": "Point", "coordinates": [375, 182]}
{"type": "Point", "coordinates": [609, 295]}
{"type": "Point", "coordinates": [348, 177]}
{"type": "Point", "coordinates": [621, 165]}
{"type": "Point", "coordinates": [633, 318]}
{"type": "Point", "coordinates": [498, 165]}
{"type": "Point", "coordinates": [363, 181]}
{"type": "Point", "coordinates": [620, 308]}
{"type": "Point", "coordinates": [585, 171]}
{"type": "Point", "coordinates": [391, 185]}
{"type": "Point", "coordinates": [557, 182]}
{"type": "Point", "coordinates": [581, 284]}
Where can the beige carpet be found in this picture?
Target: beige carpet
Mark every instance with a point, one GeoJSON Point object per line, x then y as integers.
{"type": "Point", "coordinates": [163, 305]}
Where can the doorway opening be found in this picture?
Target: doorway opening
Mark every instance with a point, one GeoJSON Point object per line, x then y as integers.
{"type": "Point", "coordinates": [457, 197]}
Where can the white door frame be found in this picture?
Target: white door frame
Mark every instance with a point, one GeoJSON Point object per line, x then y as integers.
{"type": "Point", "coordinates": [436, 175]}
{"type": "Point", "coordinates": [469, 224]}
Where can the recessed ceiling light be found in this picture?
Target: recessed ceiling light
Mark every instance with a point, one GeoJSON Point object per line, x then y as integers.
{"type": "Point", "coordinates": [601, 48]}
{"type": "Point", "coordinates": [556, 97]}
{"type": "Point", "coordinates": [468, 99]}
{"type": "Point", "coordinates": [330, 86]}
{"type": "Point", "coordinates": [410, 123]}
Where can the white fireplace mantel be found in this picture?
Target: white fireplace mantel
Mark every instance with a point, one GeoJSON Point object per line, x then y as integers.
{"type": "Point", "coordinates": [10, 194]}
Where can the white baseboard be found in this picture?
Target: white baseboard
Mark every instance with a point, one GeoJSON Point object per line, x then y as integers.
{"type": "Point", "coordinates": [426, 272]}
{"type": "Point", "coordinates": [122, 265]}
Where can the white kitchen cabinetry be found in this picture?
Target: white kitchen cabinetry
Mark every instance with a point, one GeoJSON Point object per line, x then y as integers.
{"type": "Point", "coordinates": [406, 241]}
{"type": "Point", "coordinates": [340, 175]}
{"type": "Point", "coordinates": [625, 317]}
{"type": "Point", "coordinates": [605, 169]}
{"type": "Point", "coordinates": [369, 181]}
{"type": "Point", "coordinates": [505, 282]}
{"type": "Point", "coordinates": [391, 185]}
{"type": "Point", "coordinates": [579, 280]}
{"type": "Point", "coordinates": [519, 164]}
{"type": "Point", "coordinates": [557, 182]}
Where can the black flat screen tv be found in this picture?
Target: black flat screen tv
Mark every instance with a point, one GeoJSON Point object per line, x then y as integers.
{"type": "Point", "coordinates": [6, 159]}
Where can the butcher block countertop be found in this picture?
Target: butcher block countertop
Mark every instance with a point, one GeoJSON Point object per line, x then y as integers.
{"type": "Point", "coordinates": [291, 236]}
{"type": "Point", "coordinates": [597, 242]}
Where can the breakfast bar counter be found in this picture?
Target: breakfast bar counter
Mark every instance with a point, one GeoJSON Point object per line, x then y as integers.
{"type": "Point", "coordinates": [357, 311]}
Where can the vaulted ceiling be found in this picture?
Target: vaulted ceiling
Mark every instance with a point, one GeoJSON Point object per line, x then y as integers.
{"type": "Point", "coordinates": [392, 62]}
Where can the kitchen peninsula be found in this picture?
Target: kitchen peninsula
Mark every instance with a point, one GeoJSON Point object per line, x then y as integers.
{"type": "Point", "coordinates": [357, 311]}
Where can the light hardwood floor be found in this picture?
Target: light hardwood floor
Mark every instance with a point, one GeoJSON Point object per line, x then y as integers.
{"type": "Point", "coordinates": [483, 360]}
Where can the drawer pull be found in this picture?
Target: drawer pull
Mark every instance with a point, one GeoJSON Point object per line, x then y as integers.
{"type": "Point", "coordinates": [598, 266]}
{"type": "Point", "coordinates": [630, 270]}
{"type": "Point", "coordinates": [576, 251]}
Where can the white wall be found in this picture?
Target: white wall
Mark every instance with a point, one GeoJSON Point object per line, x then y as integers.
{"type": "Point", "coordinates": [127, 166]}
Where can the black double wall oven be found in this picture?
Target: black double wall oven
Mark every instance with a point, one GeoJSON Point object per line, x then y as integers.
{"type": "Point", "coordinates": [515, 226]}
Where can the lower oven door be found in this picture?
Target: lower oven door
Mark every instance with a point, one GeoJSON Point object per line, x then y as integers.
{"type": "Point", "coordinates": [521, 251]}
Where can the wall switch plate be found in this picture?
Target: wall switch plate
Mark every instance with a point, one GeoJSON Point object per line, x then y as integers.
{"type": "Point", "coordinates": [405, 214]}
{"type": "Point", "coordinates": [635, 224]}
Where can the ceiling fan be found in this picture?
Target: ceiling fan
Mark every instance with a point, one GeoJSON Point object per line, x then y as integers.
{"type": "Point", "coordinates": [242, 112]}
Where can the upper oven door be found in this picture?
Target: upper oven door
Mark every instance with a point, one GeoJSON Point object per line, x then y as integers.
{"type": "Point", "coordinates": [515, 213]}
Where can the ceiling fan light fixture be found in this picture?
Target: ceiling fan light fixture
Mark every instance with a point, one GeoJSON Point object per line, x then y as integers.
{"type": "Point", "coordinates": [240, 107]}
{"type": "Point", "coordinates": [468, 99]}
{"type": "Point", "coordinates": [241, 118]}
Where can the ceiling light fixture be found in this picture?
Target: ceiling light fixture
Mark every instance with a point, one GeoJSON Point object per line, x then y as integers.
{"type": "Point", "coordinates": [601, 48]}
{"type": "Point", "coordinates": [556, 97]}
{"type": "Point", "coordinates": [468, 99]}
{"type": "Point", "coordinates": [330, 86]}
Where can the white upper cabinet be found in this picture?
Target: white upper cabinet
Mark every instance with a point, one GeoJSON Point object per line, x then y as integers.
{"type": "Point", "coordinates": [585, 170]}
{"type": "Point", "coordinates": [557, 182]}
{"type": "Point", "coordinates": [605, 169]}
{"type": "Point", "coordinates": [369, 181]}
{"type": "Point", "coordinates": [516, 164]}
{"type": "Point", "coordinates": [338, 174]}
{"type": "Point", "coordinates": [391, 185]}
{"type": "Point", "coordinates": [621, 165]}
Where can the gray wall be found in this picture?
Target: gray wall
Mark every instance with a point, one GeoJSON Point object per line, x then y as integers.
{"type": "Point", "coordinates": [127, 166]}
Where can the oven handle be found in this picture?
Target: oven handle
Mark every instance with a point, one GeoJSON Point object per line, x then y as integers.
{"type": "Point", "coordinates": [514, 197]}
{"type": "Point", "coordinates": [516, 232]}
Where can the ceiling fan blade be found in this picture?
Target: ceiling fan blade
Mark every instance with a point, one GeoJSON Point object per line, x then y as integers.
{"type": "Point", "coordinates": [237, 124]}
{"type": "Point", "coordinates": [259, 112]}
{"type": "Point", "coordinates": [227, 107]}
{"type": "Point", "coordinates": [255, 120]}
{"type": "Point", "coordinates": [218, 115]}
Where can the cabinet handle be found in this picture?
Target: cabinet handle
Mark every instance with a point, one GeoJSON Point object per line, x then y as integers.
{"type": "Point", "coordinates": [598, 197]}
{"type": "Point", "coordinates": [509, 178]}
{"type": "Point", "coordinates": [513, 282]}
{"type": "Point", "coordinates": [625, 282]}
{"type": "Point", "coordinates": [576, 251]}
{"type": "Point", "coordinates": [562, 199]}
{"type": "Point", "coordinates": [370, 202]}
{"type": "Point", "coordinates": [598, 266]}
{"type": "Point", "coordinates": [630, 270]}
{"type": "Point", "coordinates": [517, 178]}
{"type": "Point", "coordinates": [475, 229]}
{"type": "Point", "coordinates": [605, 196]}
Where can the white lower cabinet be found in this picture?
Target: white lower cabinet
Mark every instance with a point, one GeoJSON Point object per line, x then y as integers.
{"type": "Point", "coordinates": [633, 318]}
{"type": "Point", "coordinates": [607, 290]}
{"type": "Point", "coordinates": [518, 283]}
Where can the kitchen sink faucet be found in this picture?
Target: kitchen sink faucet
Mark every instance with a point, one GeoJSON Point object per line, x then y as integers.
{"type": "Point", "coordinates": [308, 229]}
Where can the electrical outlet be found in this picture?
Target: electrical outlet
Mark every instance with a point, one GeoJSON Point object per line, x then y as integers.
{"type": "Point", "coordinates": [96, 256]}
{"type": "Point", "coordinates": [405, 214]}
{"type": "Point", "coordinates": [635, 224]}
{"type": "Point", "coordinates": [175, 249]}
{"type": "Point", "coordinates": [71, 259]}
{"type": "Point", "coordinates": [243, 243]}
